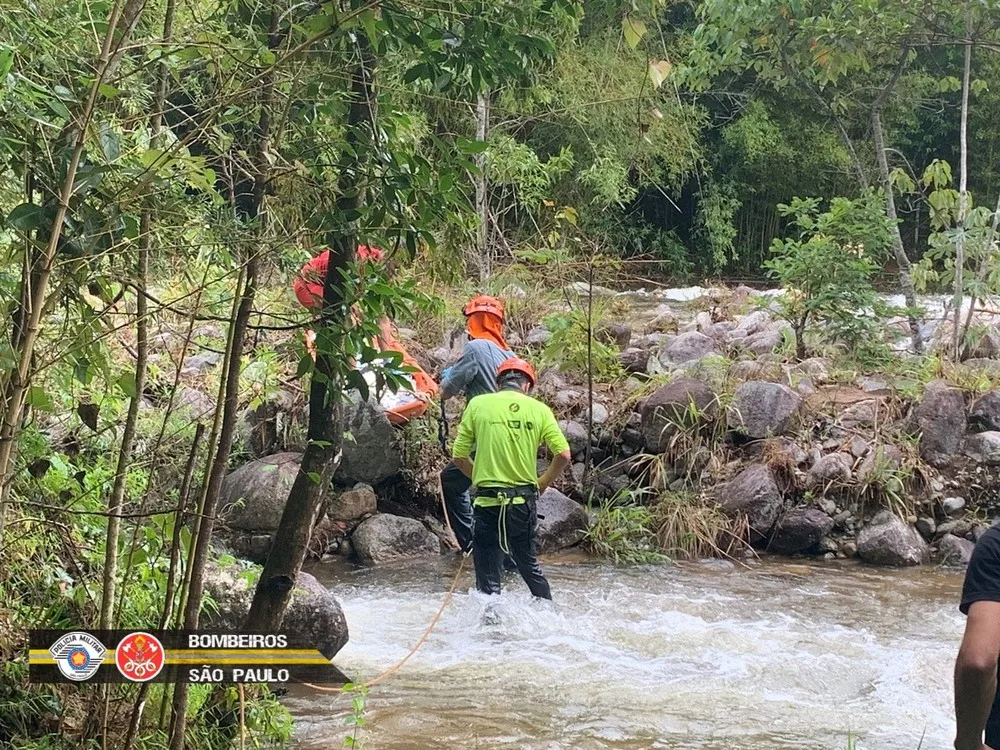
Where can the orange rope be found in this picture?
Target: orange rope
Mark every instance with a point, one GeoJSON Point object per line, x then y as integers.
{"type": "Point", "coordinates": [430, 628]}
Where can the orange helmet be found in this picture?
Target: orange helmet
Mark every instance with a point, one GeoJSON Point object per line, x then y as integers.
{"type": "Point", "coordinates": [486, 304]}
{"type": "Point", "coordinates": [516, 364]}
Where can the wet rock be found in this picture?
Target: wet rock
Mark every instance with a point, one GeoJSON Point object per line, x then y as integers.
{"type": "Point", "coordinates": [634, 359]}
{"type": "Point", "coordinates": [577, 436]}
{"type": "Point", "coordinates": [253, 496]}
{"type": "Point", "coordinates": [849, 548]}
{"type": "Point", "coordinates": [985, 413]}
{"type": "Point", "coordinates": [799, 530]}
{"type": "Point", "coordinates": [353, 504]}
{"type": "Point", "coordinates": [927, 527]}
{"type": "Point", "coordinates": [687, 347]}
{"type": "Point", "coordinates": [826, 544]}
{"type": "Point", "coordinates": [940, 420]}
{"type": "Point", "coordinates": [861, 414]}
{"type": "Point", "coordinates": [385, 537]}
{"type": "Point", "coordinates": [674, 406]}
{"type": "Point", "coordinates": [953, 506]}
{"type": "Point", "coordinates": [887, 540]}
{"type": "Point", "coordinates": [313, 614]}
{"type": "Point", "coordinates": [953, 550]}
{"type": "Point", "coordinates": [618, 334]}
{"type": "Point", "coordinates": [568, 399]}
{"type": "Point", "coordinates": [753, 493]}
{"type": "Point", "coordinates": [842, 519]}
{"type": "Point", "coordinates": [832, 468]}
{"type": "Point", "coordinates": [762, 409]}
{"type": "Point", "coordinates": [371, 456]}
{"type": "Point", "coordinates": [984, 448]}
{"type": "Point", "coordinates": [958, 527]}
{"type": "Point", "coordinates": [562, 522]}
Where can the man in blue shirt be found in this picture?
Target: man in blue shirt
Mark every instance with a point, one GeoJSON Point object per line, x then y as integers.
{"type": "Point", "coordinates": [473, 374]}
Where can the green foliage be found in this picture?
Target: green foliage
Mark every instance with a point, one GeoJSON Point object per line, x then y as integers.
{"type": "Point", "coordinates": [356, 719]}
{"type": "Point", "coordinates": [567, 349]}
{"type": "Point", "coordinates": [622, 532]}
{"type": "Point", "coordinates": [827, 273]}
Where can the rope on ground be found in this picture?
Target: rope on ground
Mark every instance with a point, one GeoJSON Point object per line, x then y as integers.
{"type": "Point", "coordinates": [430, 628]}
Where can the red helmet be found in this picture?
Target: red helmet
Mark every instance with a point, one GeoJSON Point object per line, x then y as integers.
{"type": "Point", "coordinates": [516, 364]}
{"type": "Point", "coordinates": [486, 304]}
{"type": "Point", "coordinates": [375, 254]}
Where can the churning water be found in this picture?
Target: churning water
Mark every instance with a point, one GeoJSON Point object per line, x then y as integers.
{"type": "Point", "coordinates": [707, 655]}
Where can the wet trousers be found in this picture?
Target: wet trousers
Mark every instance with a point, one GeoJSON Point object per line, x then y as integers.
{"type": "Point", "coordinates": [513, 527]}
{"type": "Point", "coordinates": [455, 486]}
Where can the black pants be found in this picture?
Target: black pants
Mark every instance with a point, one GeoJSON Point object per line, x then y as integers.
{"type": "Point", "coordinates": [516, 529]}
{"type": "Point", "coordinates": [455, 486]}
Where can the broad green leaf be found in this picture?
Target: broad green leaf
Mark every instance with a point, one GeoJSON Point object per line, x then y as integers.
{"type": "Point", "coordinates": [37, 398]}
{"type": "Point", "coordinates": [634, 30]}
{"type": "Point", "coordinates": [6, 61]}
{"type": "Point", "coordinates": [25, 217]}
{"type": "Point", "coordinates": [127, 383]}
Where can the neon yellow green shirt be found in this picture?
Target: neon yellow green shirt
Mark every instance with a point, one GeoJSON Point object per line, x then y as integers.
{"type": "Point", "coordinates": [506, 429]}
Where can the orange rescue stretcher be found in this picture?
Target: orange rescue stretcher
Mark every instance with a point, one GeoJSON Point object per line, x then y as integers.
{"type": "Point", "coordinates": [399, 407]}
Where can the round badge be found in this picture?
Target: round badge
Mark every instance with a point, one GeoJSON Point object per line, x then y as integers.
{"type": "Point", "coordinates": [78, 655]}
{"type": "Point", "coordinates": [140, 657]}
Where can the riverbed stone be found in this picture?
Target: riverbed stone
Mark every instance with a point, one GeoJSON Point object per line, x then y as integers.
{"type": "Point", "coordinates": [253, 496]}
{"type": "Point", "coordinates": [687, 347]}
{"type": "Point", "coordinates": [562, 521]}
{"type": "Point", "coordinates": [538, 336]}
{"type": "Point", "coordinates": [940, 420]}
{"type": "Point", "coordinates": [634, 359]}
{"type": "Point", "coordinates": [618, 334]}
{"type": "Point", "coordinates": [753, 493]}
{"type": "Point", "coordinates": [576, 435]}
{"type": "Point", "coordinates": [953, 506]}
{"type": "Point", "coordinates": [888, 540]}
{"type": "Point", "coordinates": [669, 408]}
{"type": "Point", "coordinates": [763, 342]}
{"type": "Point", "coordinates": [313, 614]}
{"type": "Point", "coordinates": [926, 526]}
{"type": "Point", "coordinates": [372, 455]}
{"type": "Point", "coordinates": [353, 504]}
{"type": "Point", "coordinates": [754, 369]}
{"type": "Point", "coordinates": [953, 550]}
{"type": "Point", "coordinates": [984, 447]}
{"type": "Point", "coordinates": [985, 413]}
{"type": "Point", "coordinates": [193, 403]}
{"type": "Point", "coordinates": [799, 530]}
{"type": "Point", "coordinates": [384, 538]}
{"type": "Point", "coordinates": [832, 468]}
{"type": "Point", "coordinates": [761, 409]}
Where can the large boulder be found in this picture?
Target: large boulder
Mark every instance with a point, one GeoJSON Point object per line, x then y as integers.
{"type": "Point", "coordinates": [888, 540]}
{"type": "Point", "coordinates": [576, 435]}
{"type": "Point", "coordinates": [984, 447]}
{"type": "Point", "coordinates": [269, 427]}
{"type": "Point", "coordinates": [634, 359]}
{"type": "Point", "coordinates": [385, 537]}
{"type": "Point", "coordinates": [760, 409]}
{"type": "Point", "coordinates": [193, 404]}
{"type": "Point", "coordinates": [674, 406]}
{"type": "Point", "coordinates": [371, 455]}
{"type": "Point", "coordinates": [985, 413]}
{"type": "Point", "coordinates": [940, 420]}
{"type": "Point", "coordinates": [353, 504]}
{"type": "Point", "coordinates": [618, 334]}
{"type": "Point", "coordinates": [253, 496]}
{"type": "Point", "coordinates": [799, 530]}
{"type": "Point", "coordinates": [753, 493]}
{"type": "Point", "coordinates": [314, 614]}
{"type": "Point", "coordinates": [688, 346]}
{"type": "Point", "coordinates": [953, 550]}
{"type": "Point", "coordinates": [562, 522]}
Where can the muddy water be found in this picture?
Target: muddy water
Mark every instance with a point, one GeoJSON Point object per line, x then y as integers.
{"type": "Point", "coordinates": [708, 656]}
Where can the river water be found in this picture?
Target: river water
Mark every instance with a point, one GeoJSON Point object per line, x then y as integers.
{"type": "Point", "coordinates": [708, 656]}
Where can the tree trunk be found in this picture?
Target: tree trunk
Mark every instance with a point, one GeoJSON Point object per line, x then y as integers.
{"type": "Point", "coordinates": [483, 260]}
{"type": "Point", "coordinates": [325, 432]}
{"type": "Point", "coordinates": [902, 261]}
{"type": "Point", "coordinates": [963, 189]}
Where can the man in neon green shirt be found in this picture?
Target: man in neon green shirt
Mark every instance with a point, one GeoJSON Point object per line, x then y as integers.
{"type": "Point", "coordinates": [507, 428]}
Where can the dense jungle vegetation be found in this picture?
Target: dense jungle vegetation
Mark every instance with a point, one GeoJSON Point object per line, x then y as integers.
{"type": "Point", "coordinates": [167, 165]}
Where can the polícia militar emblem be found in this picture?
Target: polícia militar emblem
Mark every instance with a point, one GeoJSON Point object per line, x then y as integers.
{"type": "Point", "coordinates": [78, 655]}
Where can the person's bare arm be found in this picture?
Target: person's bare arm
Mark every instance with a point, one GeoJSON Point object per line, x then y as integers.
{"type": "Point", "coordinates": [464, 465]}
{"type": "Point", "coordinates": [559, 463]}
{"type": "Point", "coordinates": [976, 674]}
